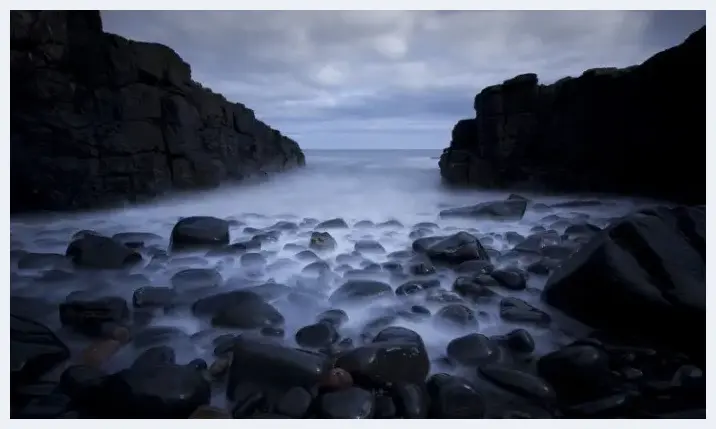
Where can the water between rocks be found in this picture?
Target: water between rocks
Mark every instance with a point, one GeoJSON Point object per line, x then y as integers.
{"type": "Point", "coordinates": [377, 186]}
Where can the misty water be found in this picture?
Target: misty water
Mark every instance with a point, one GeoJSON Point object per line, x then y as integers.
{"type": "Point", "coordinates": [378, 186]}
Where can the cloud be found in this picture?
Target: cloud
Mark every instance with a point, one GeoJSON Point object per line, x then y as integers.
{"type": "Point", "coordinates": [391, 78]}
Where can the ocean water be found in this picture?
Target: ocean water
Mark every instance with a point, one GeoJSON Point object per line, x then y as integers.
{"type": "Point", "coordinates": [354, 185]}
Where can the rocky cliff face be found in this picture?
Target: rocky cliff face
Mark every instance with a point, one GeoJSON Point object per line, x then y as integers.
{"type": "Point", "coordinates": [97, 118]}
{"type": "Point", "coordinates": [635, 131]}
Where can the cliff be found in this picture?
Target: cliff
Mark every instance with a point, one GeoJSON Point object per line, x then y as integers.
{"type": "Point", "coordinates": [96, 118]}
{"type": "Point", "coordinates": [636, 131]}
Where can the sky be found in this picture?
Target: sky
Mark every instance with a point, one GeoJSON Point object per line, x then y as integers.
{"type": "Point", "coordinates": [391, 79]}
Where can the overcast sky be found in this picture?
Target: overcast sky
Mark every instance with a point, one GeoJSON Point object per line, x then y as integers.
{"type": "Point", "coordinates": [383, 79]}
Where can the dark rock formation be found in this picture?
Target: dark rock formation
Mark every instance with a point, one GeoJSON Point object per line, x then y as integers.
{"type": "Point", "coordinates": [637, 130]}
{"type": "Point", "coordinates": [644, 276]}
{"type": "Point", "coordinates": [97, 118]}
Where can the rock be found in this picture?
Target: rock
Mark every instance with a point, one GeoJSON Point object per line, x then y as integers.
{"type": "Point", "coordinates": [351, 403]}
{"type": "Point", "coordinates": [454, 398]}
{"type": "Point", "coordinates": [142, 126]}
{"type": "Point", "coordinates": [53, 406]}
{"type": "Point", "coordinates": [510, 278]}
{"type": "Point", "coordinates": [316, 336]}
{"type": "Point", "coordinates": [306, 255]}
{"type": "Point", "coordinates": [196, 278]}
{"type": "Point", "coordinates": [416, 286]}
{"type": "Point", "coordinates": [517, 310]}
{"type": "Point", "coordinates": [136, 239]}
{"type": "Point", "coordinates": [574, 135]}
{"type": "Point", "coordinates": [322, 242]}
{"type": "Point", "coordinates": [395, 355]}
{"type": "Point", "coordinates": [384, 407]}
{"type": "Point", "coordinates": [336, 223]}
{"type": "Point", "coordinates": [651, 264]}
{"type": "Point", "coordinates": [93, 317]}
{"type": "Point", "coordinates": [84, 385]}
{"type": "Point", "coordinates": [577, 372]}
{"type": "Point", "coordinates": [34, 351]}
{"type": "Point", "coordinates": [209, 412]}
{"type": "Point", "coordinates": [166, 391]}
{"type": "Point", "coordinates": [511, 209]}
{"type": "Point", "coordinates": [421, 268]}
{"type": "Point", "coordinates": [294, 403]}
{"type": "Point", "coordinates": [473, 350]}
{"type": "Point", "coordinates": [411, 400]}
{"type": "Point", "coordinates": [153, 297]}
{"type": "Point", "coordinates": [475, 267]}
{"type": "Point", "coordinates": [519, 341]}
{"type": "Point", "coordinates": [455, 249]}
{"type": "Point", "coordinates": [455, 316]}
{"type": "Point", "coordinates": [275, 365]}
{"type": "Point", "coordinates": [471, 289]}
{"type": "Point", "coordinates": [521, 383]}
{"type": "Point", "coordinates": [198, 232]}
{"type": "Point", "coordinates": [34, 261]}
{"type": "Point", "coordinates": [238, 309]}
{"type": "Point", "coordinates": [335, 317]}
{"type": "Point", "coordinates": [337, 379]}
{"type": "Point", "coordinates": [252, 260]}
{"type": "Point", "coordinates": [95, 251]}
{"type": "Point", "coordinates": [358, 290]}
{"type": "Point", "coordinates": [369, 246]}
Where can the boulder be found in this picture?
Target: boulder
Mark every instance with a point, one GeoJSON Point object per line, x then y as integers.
{"type": "Point", "coordinates": [200, 231]}
{"type": "Point", "coordinates": [644, 276]}
{"type": "Point", "coordinates": [34, 350]}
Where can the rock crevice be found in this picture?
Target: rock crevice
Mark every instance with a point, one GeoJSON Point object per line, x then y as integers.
{"type": "Point", "coordinates": [636, 130]}
{"type": "Point", "coordinates": [97, 118]}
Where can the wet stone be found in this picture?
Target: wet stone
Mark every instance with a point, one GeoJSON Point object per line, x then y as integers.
{"type": "Point", "coordinates": [95, 251]}
{"type": "Point", "coordinates": [196, 278]}
{"type": "Point", "coordinates": [316, 336]}
{"type": "Point", "coordinates": [306, 256]}
{"type": "Point", "coordinates": [153, 297]}
{"type": "Point", "coordinates": [470, 289]}
{"type": "Point", "coordinates": [454, 398]}
{"type": "Point", "coordinates": [294, 403]}
{"type": "Point", "coordinates": [456, 316]}
{"type": "Point", "coordinates": [369, 247]}
{"type": "Point", "coordinates": [519, 382]}
{"type": "Point", "coordinates": [199, 231]}
{"type": "Point", "coordinates": [359, 290]}
{"type": "Point", "coordinates": [384, 407]}
{"type": "Point", "coordinates": [322, 242]}
{"type": "Point", "coordinates": [316, 268]}
{"type": "Point", "coordinates": [475, 267]}
{"type": "Point", "coordinates": [252, 260]}
{"type": "Point", "coordinates": [473, 350]}
{"type": "Point", "coordinates": [155, 356]}
{"type": "Point", "coordinates": [351, 403]}
{"type": "Point", "coordinates": [34, 350]}
{"type": "Point", "coordinates": [519, 341]}
{"type": "Point", "coordinates": [336, 223]}
{"type": "Point", "coordinates": [335, 317]}
{"type": "Point", "coordinates": [517, 310]}
{"type": "Point", "coordinates": [510, 278]}
{"type": "Point", "coordinates": [238, 309]}
{"type": "Point", "coordinates": [90, 317]}
{"type": "Point", "coordinates": [577, 371]}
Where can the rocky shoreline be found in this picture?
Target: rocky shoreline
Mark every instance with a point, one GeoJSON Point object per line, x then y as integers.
{"type": "Point", "coordinates": [608, 130]}
{"type": "Point", "coordinates": [638, 279]}
{"type": "Point", "coordinates": [97, 119]}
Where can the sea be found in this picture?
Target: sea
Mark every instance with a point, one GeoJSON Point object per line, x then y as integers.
{"type": "Point", "coordinates": [355, 185]}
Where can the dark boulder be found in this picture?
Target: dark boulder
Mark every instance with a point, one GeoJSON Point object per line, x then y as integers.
{"type": "Point", "coordinates": [354, 291]}
{"type": "Point", "coordinates": [395, 355]}
{"type": "Point", "coordinates": [238, 309]}
{"type": "Point", "coordinates": [200, 231]}
{"type": "Point", "coordinates": [643, 276]}
{"type": "Point", "coordinates": [510, 209]}
{"type": "Point", "coordinates": [454, 250]}
{"type": "Point", "coordinates": [269, 364]}
{"type": "Point", "coordinates": [34, 350]}
{"type": "Point", "coordinates": [96, 251]}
